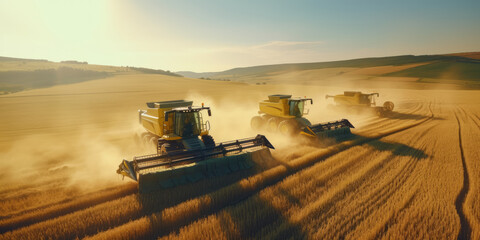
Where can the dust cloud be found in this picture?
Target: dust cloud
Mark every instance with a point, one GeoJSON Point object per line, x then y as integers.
{"type": "Point", "coordinates": [86, 161]}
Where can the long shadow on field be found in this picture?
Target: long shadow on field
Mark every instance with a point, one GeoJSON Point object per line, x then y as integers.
{"type": "Point", "coordinates": [164, 198]}
{"type": "Point", "coordinates": [399, 115]}
{"type": "Point", "coordinates": [398, 149]}
{"type": "Point", "coordinates": [407, 116]}
{"type": "Point", "coordinates": [160, 199]}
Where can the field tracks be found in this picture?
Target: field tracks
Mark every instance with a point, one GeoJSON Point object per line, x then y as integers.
{"type": "Point", "coordinates": [475, 119]}
{"type": "Point", "coordinates": [381, 227]}
{"type": "Point", "coordinates": [378, 196]}
{"type": "Point", "coordinates": [465, 229]}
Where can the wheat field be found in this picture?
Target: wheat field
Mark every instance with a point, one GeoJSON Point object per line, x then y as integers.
{"type": "Point", "coordinates": [410, 175]}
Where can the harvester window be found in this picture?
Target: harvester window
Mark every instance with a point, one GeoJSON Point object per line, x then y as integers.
{"type": "Point", "coordinates": [296, 108]}
{"type": "Point", "coordinates": [198, 122]}
{"type": "Point", "coordinates": [187, 124]}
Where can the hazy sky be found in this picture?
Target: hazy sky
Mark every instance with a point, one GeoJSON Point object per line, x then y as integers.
{"type": "Point", "coordinates": [218, 35]}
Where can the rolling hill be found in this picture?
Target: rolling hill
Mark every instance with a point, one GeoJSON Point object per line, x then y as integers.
{"type": "Point", "coordinates": [457, 68]}
{"type": "Point", "coordinates": [17, 74]}
{"type": "Point", "coordinates": [460, 70]}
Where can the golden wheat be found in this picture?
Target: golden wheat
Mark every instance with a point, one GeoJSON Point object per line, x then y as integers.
{"type": "Point", "coordinates": [392, 181]}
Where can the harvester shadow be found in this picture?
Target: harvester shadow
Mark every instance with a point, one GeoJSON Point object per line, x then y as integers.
{"type": "Point", "coordinates": [407, 116]}
{"type": "Point", "coordinates": [157, 201]}
{"type": "Point", "coordinates": [398, 149]}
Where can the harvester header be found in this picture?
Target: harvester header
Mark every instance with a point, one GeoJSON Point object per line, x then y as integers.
{"type": "Point", "coordinates": [185, 150]}
{"type": "Point", "coordinates": [160, 162]}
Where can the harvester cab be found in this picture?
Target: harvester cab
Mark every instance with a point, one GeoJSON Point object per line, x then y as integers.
{"type": "Point", "coordinates": [183, 130]}
{"type": "Point", "coordinates": [284, 114]}
{"type": "Point", "coordinates": [188, 121]}
{"type": "Point", "coordinates": [176, 125]}
{"type": "Point", "coordinates": [297, 107]}
{"type": "Point", "coordinates": [285, 106]}
{"type": "Point", "coordinates": [352, 99]}
{"type": "Point", "coordinates": [185, 150]}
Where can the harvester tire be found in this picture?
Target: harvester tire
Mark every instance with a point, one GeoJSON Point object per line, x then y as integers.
{"type": "Point", "coordinates": [257, 123]}
{"type": "Point", "coordinates": [272, 124]}
{"type": "Point", "coordinates": [287, 128]}
{"type": "Point", "coordinates": [208, 141]}
{"type": "Point", "coordinates": [388, 106]}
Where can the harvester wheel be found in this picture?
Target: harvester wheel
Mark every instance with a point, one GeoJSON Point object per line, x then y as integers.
{"type": "Point", "coordinates": [208, 141]}
{"type": "Point", "coordinates": [257, 123]}
{"type": "Point", "coordinates": [287, 128]}
{"type": "Point", "coordinates": [388, 106]}
{"type": "Point", "coordinates": [272, 124]}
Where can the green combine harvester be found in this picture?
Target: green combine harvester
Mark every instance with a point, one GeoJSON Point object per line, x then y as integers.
{"type": "Point", "coordinates": [185, 151]}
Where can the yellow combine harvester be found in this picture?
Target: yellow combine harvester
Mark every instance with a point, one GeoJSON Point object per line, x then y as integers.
{"type": "Point", "coordinates": [358, 101]}
{"type": "Point", "coordinates": [284, 114]}
{"type": "Point", "coordinates": [185, 150]}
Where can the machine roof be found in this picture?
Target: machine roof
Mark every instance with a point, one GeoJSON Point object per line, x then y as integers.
{"type": "Point", "coordinates": [170, 104]}
{"type": "Point", "coordinates": [277, 97]}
